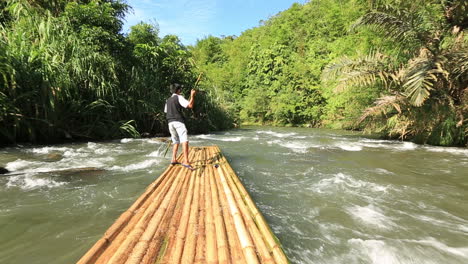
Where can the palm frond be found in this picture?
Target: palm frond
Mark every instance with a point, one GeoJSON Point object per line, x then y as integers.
{"type": "Point", "coordinates": [420, 75]}
{"type": "Point", "coordinates": [361, 71]}
{"type": "Point", "coordinates": [382, 106]}
{"type": "Point", "coordinates": [390, 22]}
{"type": "Point", "coordinates": [458, 63]}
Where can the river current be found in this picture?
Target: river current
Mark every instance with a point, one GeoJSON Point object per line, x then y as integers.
{"type": "Point", "coordinates": [330, 196]}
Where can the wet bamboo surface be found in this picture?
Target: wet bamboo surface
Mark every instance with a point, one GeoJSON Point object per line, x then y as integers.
{"type": "Point", "coordinates": [185, 216]}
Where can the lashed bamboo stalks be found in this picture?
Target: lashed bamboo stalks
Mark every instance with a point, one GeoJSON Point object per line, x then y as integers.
{"type": "Point", "coordinates": [210, 231]}
{"type": "Point", "coordinates": [160, 237]}
{"type": "Point", "coordinates": [188, 252]}
{"type": "Point", "coordinates": [201, 232]}
{"type": "Point", "coordinates": [236, 254]}
{"type": "Point", "coordinates": [169, 201]}
{"type": "Point", "coordinates": [264, 228]}
{"type": "Point", "coordinates": [119, 224]}
{"type": "Point", "coordinates": [260, 245]}
{"type": "Point", "coordinates": [179, 227]}
{"type": "Point", "coordinates": [201, 216]}
{"type": "Point", "coordinates": [244, 237]}
{"type": "Point", "coordinates": [165, 183]}
{"type": "Point", "coordinates": [139, 212]}
{"type": "Point", "coordinates": [228, 248]}
{"type": "Point", "coordinates": [162, 229]}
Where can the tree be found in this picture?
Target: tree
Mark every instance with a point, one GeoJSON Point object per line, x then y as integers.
{"type": "Point", "coordinates": [433, 77]}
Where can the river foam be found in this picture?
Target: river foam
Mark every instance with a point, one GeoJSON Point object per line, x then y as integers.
{"type": "Point", "coordinates": [349, 147]}
{"type": "Point", "coordinates": [370, 216]}
{"type": "Point", "coordinates": [220, 138]}
{"type": "Point", "coordinates": [137, 166]}
{"type": "Point", "coordinates": [377, 251]}
{"type": "Point", "coordinates": [434, 243]}
{"type": "Point", "coordinates": [276, 134]}
{"type": "Point", "coordinates": [342, 181]}
{"type": "Point", "coordinates": [31, 181]}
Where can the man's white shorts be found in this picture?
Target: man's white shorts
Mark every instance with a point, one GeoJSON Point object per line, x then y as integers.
{"type": "Point", "coordinates": [178, 132]}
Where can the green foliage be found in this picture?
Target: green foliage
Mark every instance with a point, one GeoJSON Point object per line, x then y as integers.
{"type": "Point", "coordinates": [390, 66]}
{"type": "Point", "coordinates": [66, 71]}
{"type": "Point", "coordinates": [271, 74]}
{"type": "Point", "coordinates": [352, 64]}
{"type": "Point", "coordinates": [426, 86]}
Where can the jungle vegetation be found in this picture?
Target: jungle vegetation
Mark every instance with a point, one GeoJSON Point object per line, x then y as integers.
{"type": "Point", "coordinates": [393, 67]}
{"type": "Point", "coordinates": [68, 72]}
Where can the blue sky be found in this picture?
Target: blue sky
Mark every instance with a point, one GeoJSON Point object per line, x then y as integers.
{"type": "Point", "coordinates": [195, 19]}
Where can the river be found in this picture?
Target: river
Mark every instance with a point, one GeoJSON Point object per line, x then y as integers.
{"type": "Point", "coordinates": [330, 196]}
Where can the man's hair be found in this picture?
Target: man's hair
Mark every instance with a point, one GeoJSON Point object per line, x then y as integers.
{"type": "Point", "coordinates": [175, 87]}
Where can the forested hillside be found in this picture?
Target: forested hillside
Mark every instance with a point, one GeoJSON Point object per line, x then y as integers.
{"type": "Point", "coordinates": [67, 71]}
{"type": "Point", "coordinates": [394, 67]}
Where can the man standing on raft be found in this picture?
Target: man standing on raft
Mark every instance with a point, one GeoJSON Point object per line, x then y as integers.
{"type": "Point", "coordinates": [175, 120]}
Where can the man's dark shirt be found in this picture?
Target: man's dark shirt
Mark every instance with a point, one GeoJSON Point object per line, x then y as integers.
{"type": "Point", "coordinates": [174, 110]}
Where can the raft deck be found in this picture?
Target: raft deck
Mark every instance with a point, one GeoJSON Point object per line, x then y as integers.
{"type": "Point", "coordinates": [199, 216]}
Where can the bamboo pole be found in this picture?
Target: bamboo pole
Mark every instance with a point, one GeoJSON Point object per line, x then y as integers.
{"type": "Point", "coordinates": [264, 228]}
{"type": "Point", "coordinates": [211, 232]}
{"type": "Point", "coordinates": [260, 245]}
{"type": "Point", "coordinates": [111, 250]}
{"type": "Point", "coordinates": [97, 249]}
{"type": "Point", "coordinates": [121, 254]}
{"type": "Point", "coordinates": [161, 237]}
{"type": "Point", "coordinates": [169, 199]}
{"type": "Point", "coordinates": [234, 244]}
{"type": "Point", "coordinates": [176, 222]}
{"type": "Point", "coordinates": [221, 236]}
{"type": "Point", "coordinates": [201, 232]}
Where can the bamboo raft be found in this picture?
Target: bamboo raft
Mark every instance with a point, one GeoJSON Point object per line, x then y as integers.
{"type": "Point", "coordinates": [200, 216]}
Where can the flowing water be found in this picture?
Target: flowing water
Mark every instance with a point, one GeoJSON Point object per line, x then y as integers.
{"type": "Point", "coordinates": [329, 196]}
